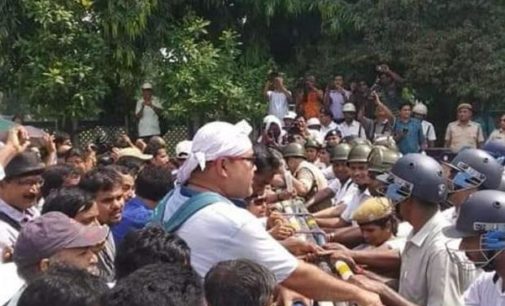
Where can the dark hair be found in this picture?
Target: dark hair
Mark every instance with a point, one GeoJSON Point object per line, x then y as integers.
{"type": "Point", "coordinates": [54, 177]}
{"type": "Point", "coordinates": [325, 111]}
{"type": "Point", "coordinates": [152, 148]}
{"type": "Point", "coordinates": [132, 163]}
{"type": "Point", "coordinates": [74, 152]}
{"type": "Point", "coordinates": [60, 137]}
{"type": "Point", "coordinates": [402, 105]}
{"type": "Point", "coordinates": [153, 183]}
{"type": "Point", "coordinates": [167, 284]}
{"type": "Point", "coordinates": [69, 200]}
{"type": "Point", "coordinates": [265, 159]}
{"type": "Point", "coordinates": [239, 283]}
{"type": "Point", "coordinates": [148, 246]}
{"type": "Point", "coordinates": [101, 179]}
{"type": "Point", "coordinates": [63, 286]}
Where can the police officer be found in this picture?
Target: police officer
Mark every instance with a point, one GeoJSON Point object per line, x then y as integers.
{"type": "Point", "coordinates": [416, 185]}
{"type": "Point", "coordinates": [469, 171]}
{"type": "Point", "coordinates": [312, 152]}
{"type": "Point", "coordinates": [481, 225]}
{"type": "Point", "coordinates": [307, 178]}
{"type": "Point", "coordinates": [380, 161]}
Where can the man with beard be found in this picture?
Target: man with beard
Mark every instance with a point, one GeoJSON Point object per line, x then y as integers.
{"type": "Point", "coordinates": [481, 225]}
{"type": "Point", "coordinates": [19, 192]}
{"type": "Point", "coordinates": [107, 186]}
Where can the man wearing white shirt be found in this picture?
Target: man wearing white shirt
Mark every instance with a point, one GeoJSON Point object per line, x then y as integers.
{"type": "Point", "coordinates": [336, 96]}
{"type": "Point", "coordinates": [147, 111]}
{"type": "Point", "coordinates": [327, 123]}
{"type": "Point", "coordinates": [420, 111]}
{"type": "Point", "coordinates": [278, 98]}
{"type": "Point", "coordinates": [221, 166]}
{"type": "Point", "coordinates": [351, 127]}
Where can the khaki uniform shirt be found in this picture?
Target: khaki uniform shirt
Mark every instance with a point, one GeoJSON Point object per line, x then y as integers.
{"type": "Point", "coordinates": [497, 135]}
{"type": "Point", "coordinates": [460, 135]}
{"type": "Point", "coordinates": [427, 274]}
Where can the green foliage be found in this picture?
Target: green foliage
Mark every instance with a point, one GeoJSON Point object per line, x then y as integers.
{"type": "Point", "coordinates": [198, 77]}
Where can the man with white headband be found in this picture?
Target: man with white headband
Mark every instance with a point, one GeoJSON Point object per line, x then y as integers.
{"type": "Point", "coordinates": [219, 169]}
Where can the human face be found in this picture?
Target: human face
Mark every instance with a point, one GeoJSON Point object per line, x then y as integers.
{"type": "Point", "coordinates": [22, 192]}
{"type": "Point", "coordinates": [325, 119]}
{"type": "Point", "coordinates": [349, 116]}
{"type": "Point", "coordinates": [311, 154]}
{"type": "Point", "coordinates": [458, 197]}
{"type": "Point", "coordinates": [471, 246]}
{"type": "Point", "coordinates": [502, 122]}
{"type": "Point", "coordinates": [324, 156]}
{"type": "Point", "coordinates": [128, 187]}
{"type": "Point", "coordinates": [147, 94]}
{"type": "Point", "coordinates": [374, 185]}
{"type": "Point", "coordinates": [405, 112]}
{"type": "Point", "coordinates": [464, 114]}
{"type": "Point", "coordinates": [82, 258]}
{"type": "Point", "coordinates": [333, 140]}
{"type": "Point", "coordinates": [110, 205]}
{"type": "Point", "coordinates": [89, 216]}
{"type": "Point", "coordinates": [359, 173]}
{"type": "Point", "coordinates": [161, 158]}
{"type": "Point", "coordinates": [374, 234]}
{"type": "Point", "coordinates": [341, 170]}
{"type": "Point", "coordinates": [238, 175]}
{"type": "Point", "coordinates": [339, 81]}
{"type": "Point", "coordinates": [288, 122]}
{"type": "Point", "coordinates": [77, 162]}
{"type": "Point", "coordinates": [258, 207]}
{"type": "Point", "coordinates": [300, 122]}
{"type": "Point", "coordinates": [278, 83]}
{"type": "Point", "coordinates": [72, 179]}
{"type": "Point", "coordinates": [261, 181]}
{"type": "Point", "coordinates": [293, 163]}
{"type": "Point", "coordinates": [274, 130]}
{"type": "Point", "coordinates": [418, 116]}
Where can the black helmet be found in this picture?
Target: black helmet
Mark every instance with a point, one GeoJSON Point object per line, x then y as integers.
{"type": "Point", "coordinates": [415, 175]}
{"type": "Point", "coordinates": [294, 150]}
{"type": "Point", "coordinates": [482, 162]}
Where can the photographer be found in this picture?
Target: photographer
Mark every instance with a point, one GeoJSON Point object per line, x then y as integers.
{"type": "Point", "coordinates": [309, 98]}
{"type": "Point", "coordinates": [408, 131]}
{"type": "Point", "coordinates": [277, 95]}
{"type": "Point", "coordinates": [335, 97]}
{"type": "Point", "coordinates": [389, 85]}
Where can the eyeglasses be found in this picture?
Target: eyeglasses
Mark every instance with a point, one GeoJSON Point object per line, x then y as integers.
{"type": "Point", "coordinates": [30, 182]}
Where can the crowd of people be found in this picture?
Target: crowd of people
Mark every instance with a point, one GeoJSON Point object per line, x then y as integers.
{"type": "Point", "coordinates": [129, 223]}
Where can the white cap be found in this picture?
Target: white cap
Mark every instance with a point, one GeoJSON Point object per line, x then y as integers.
{"type": "Point", "coordinates": [290, 115]}
{"type": "Point", "coordinates": [420, 108]}
{"type": "Point", "coordinates": [147, 86]}
{"type": "Point", "coordinates": [313, 121]}
{"type": "Point", "coordinates": [349, 108]}
{"type": "Point", "coordinates": [183, 147]}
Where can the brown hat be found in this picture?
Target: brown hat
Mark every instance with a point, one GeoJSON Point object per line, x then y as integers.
{"type": "Point", "coordinates": [465, 105]}
{"type": "Point", "coordinates": [373, 209]}
{"type": "Point", "coordinates": [23, 164]}
{"type": "Point", "coordinates": [44, 236]}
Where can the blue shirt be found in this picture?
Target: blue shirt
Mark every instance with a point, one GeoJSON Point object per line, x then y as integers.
{"type": "Point", "coordinates": [136, 215]}
{"type": "Point", "coordinates": [412, 141]}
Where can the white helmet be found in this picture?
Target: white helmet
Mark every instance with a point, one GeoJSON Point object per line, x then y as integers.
{"type": "Point", "coordinates": [349, 108]}
{"type": "Point", "coordinates": [420, 108]}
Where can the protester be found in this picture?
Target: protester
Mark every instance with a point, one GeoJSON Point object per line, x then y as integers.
{"type": "Point", "coordinates": [77, 159]}
{"type": "Point", "coordinates": [168, 284]}
{"type": "Point", "coordinates": [278, 97]}
{"type": "Point", "coordinates": [383, 123]}
{"type": "Point", "coordinates": [245, 282]}
{"type": "Point", "coordinates": [147, 111]}
{"type": "Point", "coordinates": [389, 84]}
{"type": "Point", "coordinates": [19, 193]}
{"type": "Point", "coordinates": [57, 176]}
{"type": "Point", "coordinates": [63, 144]}
{"type": "Point", "coordinates": [74, 202]}
{"type": "Point", "coordinates": [107, 187]}
{"type": "Point", "coordinates": [463, 133]}
{"type": "Point", "coordinates": [420, 111]}
{"type": "Point", "coordinates": [327, 123]}
{"type": "Point", "coordinates": [408, 131]}
{"type": "Point", "coordinates": [182, 150]}
{"type": "Point", "coordinates": [151, 185]}
{"type": "Point", "coordinates": [351, 127]}
{"type": "Point", "coordinates": [64, 286]}
{"type": "Point", "coordinates": [150, 245]}
{"type": "Point", "coordinates": [288, 120]}
{"type": "Point", "coordinates": [159, 154]}
{"type": "Point", "coordinates": [220, 169]}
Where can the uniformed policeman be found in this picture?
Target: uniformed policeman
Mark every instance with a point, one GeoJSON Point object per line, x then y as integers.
{"type": "Point", "coordinates": [380, 161]}
{"type": "Point", "coordinates": [307, 178]}
{"type": "Point", "coordinates": [481, 226]}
